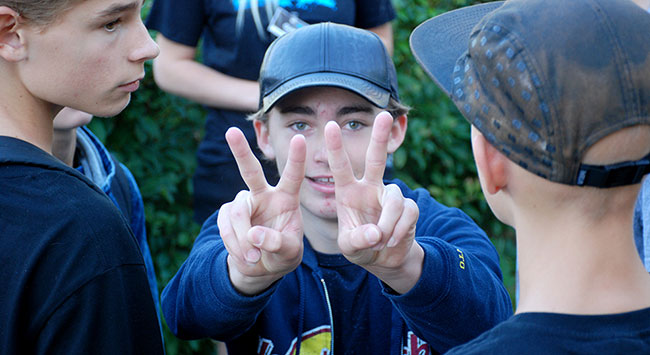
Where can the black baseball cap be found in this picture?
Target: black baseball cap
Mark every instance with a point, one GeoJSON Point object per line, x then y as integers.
{"type": "Point", "coordinates": [543, 80]}
{"type": "Point", "coordinates": [328, 54]}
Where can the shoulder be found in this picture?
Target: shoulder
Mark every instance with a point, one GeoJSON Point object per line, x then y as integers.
{"type": "Point", "coordinates": [59, 232]}
{"type": "Point", "coordinates": [373, 13]}
{"type": "Point", "coordinates": [67, 214]}
{"type": "Point", "coordinates": [47, 205]}
{"type": "Point", "coordinates": [432, 210]}
{"type": "Point", "coordinates": [182, 21]}
{"type": "Point", "coordinates": [421, 196]}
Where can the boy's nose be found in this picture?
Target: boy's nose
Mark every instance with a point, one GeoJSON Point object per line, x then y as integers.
{"type": "Point", "coordinates": [145, 48]}
{"type": "Point", "coordinates": [320, 151]}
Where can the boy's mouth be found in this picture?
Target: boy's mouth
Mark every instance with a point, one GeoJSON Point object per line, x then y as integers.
{"type": "Point", "coordinates": [322, 180]}
{"type": "Point", "coordinates": [322, 184]}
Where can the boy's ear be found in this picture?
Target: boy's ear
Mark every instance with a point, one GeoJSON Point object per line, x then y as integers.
{"type": "Point", "coordinates": [491, 164]}
{"type": "Point", "coordinates": [12, 48]}
{"type": "Point", "coordinates": [397, 133]}
{"type": "Point", "coordinates": [262, 134]}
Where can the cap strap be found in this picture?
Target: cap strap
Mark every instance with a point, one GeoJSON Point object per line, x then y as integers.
{"type": "Point", "coordinates": [625, 173]}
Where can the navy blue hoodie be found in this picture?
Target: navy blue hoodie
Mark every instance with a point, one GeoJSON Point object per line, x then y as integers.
{"type": "Point", "coordinates": [459, 295]}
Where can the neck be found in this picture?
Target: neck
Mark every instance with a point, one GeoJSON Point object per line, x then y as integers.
{"type": "Point", "coordinates": [64, 145]}
{"type": "Point", "coordinates": [23, 116]}
{"type": "Point", "coordinates": [571, 265]}
{"type": "Point", "coordinates": [321, 233]}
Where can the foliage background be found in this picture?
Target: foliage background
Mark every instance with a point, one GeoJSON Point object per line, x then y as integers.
{"type": "Point", "coordinates": [157, 136]}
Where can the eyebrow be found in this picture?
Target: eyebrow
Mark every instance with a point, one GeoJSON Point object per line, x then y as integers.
{"type": "Point", "coordinates": [354, 109]}
{"type": "Point", "coordinates": [119, 8]}
{"type": "Point", "coordinates": [302, 110]}
{"type": "Point", "coordinates": [346, 110]}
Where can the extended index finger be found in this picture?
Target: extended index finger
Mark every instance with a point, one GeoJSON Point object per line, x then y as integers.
{"type": "Point", "coordinates": [377, 149]}
{"type": "Point", "coordinates": [337, 156]}
{"type": "Point", "coordinates": [294, 171]}
{"type": "Point", "coordinates": [250, 168]}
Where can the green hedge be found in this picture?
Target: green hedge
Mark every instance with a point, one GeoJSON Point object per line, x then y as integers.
{"type": "Point", "coordinates": [157, 136]}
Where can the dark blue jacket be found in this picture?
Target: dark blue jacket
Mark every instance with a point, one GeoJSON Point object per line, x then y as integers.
{"type": "Point", "coordinates": [459, 295]}
{"type": "Point", "coordinates": [72, 278]}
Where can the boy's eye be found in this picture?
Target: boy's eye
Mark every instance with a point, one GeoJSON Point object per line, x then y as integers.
{"type": "Point", "coordinates": [299, 126]}
{"type": "Point", "coordinates": [112, 26]}
{"type": "Point", "coordinates": [354, 125]}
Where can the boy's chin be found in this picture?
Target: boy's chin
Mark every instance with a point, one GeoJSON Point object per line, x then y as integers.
{"type": "Point", "coordinates": [324, 211]}
{"type": "Point", "coordinates": [110, 110]}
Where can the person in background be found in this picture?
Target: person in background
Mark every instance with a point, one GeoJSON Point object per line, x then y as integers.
{"type": "Point", "coordinates": [642, 208]}
{"type": "Point", "coordinates": [332, 259]}
{"type": "Point", "coordinates": [558, 96]}
{"type": "Point", "coordinates": [235, 35]}
{"type": "Point", "coordinates": [73, 279]}
{"type": "Point", "coordinates": [75, 145]}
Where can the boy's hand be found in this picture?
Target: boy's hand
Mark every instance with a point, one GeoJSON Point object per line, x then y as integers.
{"type": "Point", "coordinates": [376, 223]}
{"type": "Point", "coordinates": [262, 228]}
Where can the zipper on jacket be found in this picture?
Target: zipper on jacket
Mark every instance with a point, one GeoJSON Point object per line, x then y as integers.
{"type": "Point", "coordinates": [329, 309]}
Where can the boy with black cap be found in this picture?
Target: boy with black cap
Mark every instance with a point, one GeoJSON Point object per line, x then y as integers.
{"type": "Point", "coordinates": [558, 95]}
{"type": "Point", "coordinates": [331, 258]}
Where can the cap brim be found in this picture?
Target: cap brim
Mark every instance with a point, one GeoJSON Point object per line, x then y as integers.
{"type": "Point", "coordinates": [438, 42]}
{"type": "Point", "coordinates": [371, 92]}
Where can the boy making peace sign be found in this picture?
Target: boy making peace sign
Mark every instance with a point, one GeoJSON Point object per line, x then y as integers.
{"type": "Point", "coordinates": [331, 257]}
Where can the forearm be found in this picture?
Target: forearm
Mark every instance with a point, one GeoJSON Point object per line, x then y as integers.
{"type": "Point", "coordinates": [452, 302]}
{"type": "Point", "coordinates": [199, 83]}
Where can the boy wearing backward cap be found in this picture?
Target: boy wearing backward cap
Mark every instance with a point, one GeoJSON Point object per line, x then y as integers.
{"type": "Point", "coordinates": [558, 95]}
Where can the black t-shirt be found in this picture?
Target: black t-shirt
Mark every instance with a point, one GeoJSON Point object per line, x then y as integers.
{"type": "Point", "coordinates": [72, 278]}
{"type": "Point", "coordinates": [553, 333]}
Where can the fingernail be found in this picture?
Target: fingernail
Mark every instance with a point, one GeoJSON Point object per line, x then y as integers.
{"type": "Point", "coordinates": [372, 236]}
{"type": "Point", "coordinates": [391, 243]}
{"type": "Point", "coordinates": [253, 256]}
{"type": "Point", "coordinates": [258, 237]}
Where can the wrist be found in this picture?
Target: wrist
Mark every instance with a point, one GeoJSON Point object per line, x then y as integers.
{"type": "Point", "coordinates": [249, 285]}
{"type": "Point", "coordinates": [402, 278]}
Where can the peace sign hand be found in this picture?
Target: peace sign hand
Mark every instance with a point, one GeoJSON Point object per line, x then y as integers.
{"type": "Point", "coordinates": [262, 228]}
{"type": "Point", "coordinates": [376, 223]}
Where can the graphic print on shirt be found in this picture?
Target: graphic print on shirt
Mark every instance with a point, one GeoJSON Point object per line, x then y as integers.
{"type": "Point", "coordinates": [315, 341]}
{"type": "Point", "coordinates": [415, 345]}
{"type": "Point", "coordinates": [290, 4]}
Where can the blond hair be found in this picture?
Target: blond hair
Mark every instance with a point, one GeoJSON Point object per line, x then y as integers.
{"type": "Point", "coordinates": [38, 12]}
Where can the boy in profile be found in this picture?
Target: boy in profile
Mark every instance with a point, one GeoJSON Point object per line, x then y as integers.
{"type": "Point", "coordinates": [558, 95]}
{"type": "Point", "coordinates": [72, 279]}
